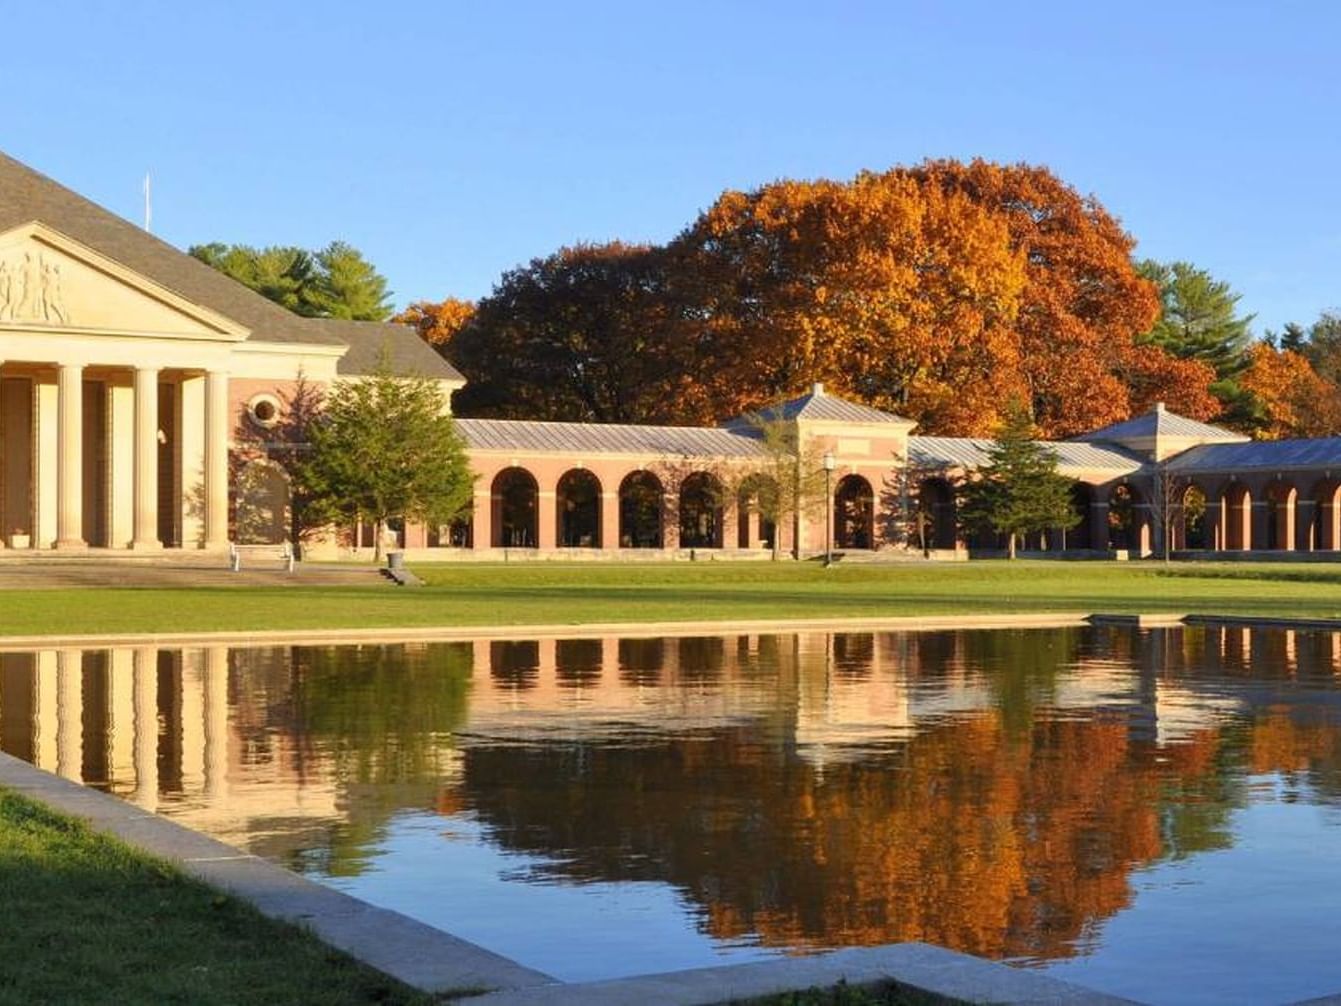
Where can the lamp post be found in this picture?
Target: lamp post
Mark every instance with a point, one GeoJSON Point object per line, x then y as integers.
{"type": "Point", "coordinates": [829, 464]}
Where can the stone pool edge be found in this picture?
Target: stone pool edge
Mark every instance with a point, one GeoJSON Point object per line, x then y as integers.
{"type": "Point", "coordinates": [435, 961]}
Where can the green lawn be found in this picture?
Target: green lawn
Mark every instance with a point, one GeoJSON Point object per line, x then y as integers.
{"type": "Point", "coordinates": [535, 593]}
{"type": "Point", "coordinates": [86, 919]}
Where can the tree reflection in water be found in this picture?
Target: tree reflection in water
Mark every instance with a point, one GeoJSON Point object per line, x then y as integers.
{"type": "Point", "coordinates": [988, 791]}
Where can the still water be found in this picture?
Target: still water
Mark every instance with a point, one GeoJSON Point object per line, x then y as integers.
{"type": "Point", "coordinates": [1155, 813]}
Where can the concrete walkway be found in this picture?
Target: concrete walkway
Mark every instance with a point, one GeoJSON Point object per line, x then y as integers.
{"type": "Point", "coordinates": [55, 574]}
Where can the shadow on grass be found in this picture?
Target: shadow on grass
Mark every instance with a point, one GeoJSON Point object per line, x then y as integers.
{"type": "Point", "coordinates": [87, 919]}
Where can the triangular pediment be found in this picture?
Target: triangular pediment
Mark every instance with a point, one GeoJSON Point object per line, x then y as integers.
{"type": "Point", "coordinates": [49, 281]}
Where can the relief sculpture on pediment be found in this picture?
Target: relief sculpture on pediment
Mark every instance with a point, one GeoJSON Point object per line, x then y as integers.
{"type": "Point", "coordinates": [30, 290]}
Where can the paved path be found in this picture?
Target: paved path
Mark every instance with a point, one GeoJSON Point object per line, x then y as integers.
{"type": "Point", "coordinates": [55, 573]}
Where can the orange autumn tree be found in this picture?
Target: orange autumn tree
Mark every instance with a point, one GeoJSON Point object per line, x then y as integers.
{"type": "Point", "coordinates": [1084, 304]}
{"type": "Point", "coordinates": [938, 292]}
{"type": "Point", "coordinates": [897, 294]}
{"type": "Point", "coordinates": [1292, 399]}
{"type": "Point", "coordinates": [437, 323]}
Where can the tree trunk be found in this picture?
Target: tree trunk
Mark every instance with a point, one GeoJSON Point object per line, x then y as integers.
{"type": "Point", "coordinates": [379, 529]}
{"type": "Point", "coordinates": [1010, 546]}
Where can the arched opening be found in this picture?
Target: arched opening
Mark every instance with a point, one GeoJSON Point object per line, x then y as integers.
{"type": "Point", "coordinates": [1128, 526]}
{"type": "Point", "coordinates": [578, 500]}
{"type": "Point", "coordinates": [515, 497]}
{"type": "Point", "coordinates": [937, 518]}
{"type": "Point", "coordinates": [262, 514]}
{"type": "Point", "coordinates": [1238, 509]}
{"type": "Point", "coordinates": [757, 499]}
{"type": "Point", "coordinates": [1191, 523]}
{"type": "Point", "coordinates": [641, 503]}
{"type": "Point", "coordinates": [701, 511]}
{"type": "Point", "coordinates": [1078, 535]}
{"type": "Point", "coordinates": [1280, 526]}
{"type": "Point", "coordinates": [853, 513]}
{"type": "Point", "coordinates": [1327, 516]}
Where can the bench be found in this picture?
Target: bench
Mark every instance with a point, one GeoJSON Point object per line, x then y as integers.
{"type": "Point", "coordinates": [280, 552]}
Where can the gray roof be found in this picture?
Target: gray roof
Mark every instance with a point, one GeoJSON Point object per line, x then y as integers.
{"type": "Point", "coordinates": [1321, 453]}
{"type": "Point", "coordinates": [970, 453]}
{"type": "Point", "coordinates": [27, 196]}
{"type": "Point", "coordinates": [601, 438]}
{"type": "Point", "coordinates": [816, 404]}
{"type": "Point", "coordinates": [408, 353]}
{"type": "Point", "coordinates": [1163, 423]}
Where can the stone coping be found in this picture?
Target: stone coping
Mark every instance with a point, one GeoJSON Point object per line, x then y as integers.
{"type": "Point", "coordinates": [574, 630]}
{"type": "Point", "coordinates": [417, 954]}
{"type": "Point", "coordinates": [436, 962]}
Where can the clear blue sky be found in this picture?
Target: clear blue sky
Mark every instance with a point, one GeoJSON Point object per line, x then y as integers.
{"type": "Point", "coordinates": [450, 142]}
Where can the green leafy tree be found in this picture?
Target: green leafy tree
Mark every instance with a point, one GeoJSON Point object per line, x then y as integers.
{"type": "Point", "coordinates": [335, 282]}
{"type": "Point", "coordinates": [1322, 346]}
{"type": "Point", "coordinates": [384, 447]}
{"type": "Point", "coordinates": [1018, 491]}
{"type": "Point", "coordinates": [1199, 317]}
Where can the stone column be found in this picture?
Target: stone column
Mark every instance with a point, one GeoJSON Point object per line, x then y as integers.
{"type": "Point", "coordinates": [1305, 525]}
{"type": "Point", "coordinates": [70, 457]}
{"type": "Point", "coordinates": [216, 460]}
{"type": "Point", "coordinates": [1258, 519]}
{"type": "Point", "coordinates": [610, 519]}
{"type": "Point", "coordinates": [482, 520]}
{"type": "Point", "coordinates": [46, 717]}
{"type": "Point", "coordinates": [145, 794]}
{"type": "Point", "coordinates": [70, 713]}
{"type": "Point", "coordinates": [146, 459]}
{"type": "Point", "coordinates": [546, 520]}
{"type": "Point", "coordinates": [216, 722]}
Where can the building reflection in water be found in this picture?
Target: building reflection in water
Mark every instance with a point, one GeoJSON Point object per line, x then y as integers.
{"type": "Point", "coordinates": [990, 791]}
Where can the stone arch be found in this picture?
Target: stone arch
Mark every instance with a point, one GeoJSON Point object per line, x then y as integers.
{"type": "Point", "coordinates": [701, 511]}
{"type": "Point", "coordinates": [1192, 529]}
{"type": "Point", "coordinates": [263, 513]}
{"type": "Point", "coordinates": [1237, 504]}
{"type": "Point", "coordinates": [1237, 517]}
{"type": "Point", "coordinates": [641, 510]}
{"type": "Point", "coordinates": [1326, 497]}
{"type": "Point", "coordinates": [938, 517]}
{"type": "Point", "coordinates": [1128, 520]}
{"type": "Point", "coordinates": [577, 501]}
{"type": "Point", "coordinates": [853, 513]}
{"type": "Point", "coordinates": [1078, 536]}
{"type": "Point", "coordinates": [516, 497]}
{"type": "Point", "coordinates": [754, 527]}
{"type": "Point", "coordinates": [1281, 501]}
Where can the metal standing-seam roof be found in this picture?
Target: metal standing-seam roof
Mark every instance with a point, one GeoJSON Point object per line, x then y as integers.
{"type": "Point", "coordinates": [1322, 452]}
{"type": "Point", "coordinates": [970, 453]}
{"type": "Point", "coordinates": [1162, 423]}
{"type": "Point", "coordinates": [816, 404]}
{"type": "Point", "coordinates": [605, 438]}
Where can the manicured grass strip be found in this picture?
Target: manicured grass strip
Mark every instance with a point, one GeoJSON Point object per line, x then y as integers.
{"type": "Point", "coordinates": [84, 918]}
{"type": "Point", "coordinates": [848, 995]}
{"type": "Point", "coordinates": [552, 593]}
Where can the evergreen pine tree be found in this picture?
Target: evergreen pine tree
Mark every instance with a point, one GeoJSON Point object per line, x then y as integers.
{"type": "Point", "coordinates": [1019, 490]}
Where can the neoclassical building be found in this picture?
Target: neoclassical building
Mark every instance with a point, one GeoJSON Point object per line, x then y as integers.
{"type": "Point", "coordinates": [141, 390]}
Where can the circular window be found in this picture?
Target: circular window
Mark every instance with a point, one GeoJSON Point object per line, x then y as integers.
{"type": "Point", "coordinates": [264, 410]}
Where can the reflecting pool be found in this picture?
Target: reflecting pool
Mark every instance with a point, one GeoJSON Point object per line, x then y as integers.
{"type": "Point", "coordinates": [1156, 813]}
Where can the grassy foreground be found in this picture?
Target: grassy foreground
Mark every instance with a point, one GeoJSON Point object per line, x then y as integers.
{"type": "Point", "coordinates": [536, 593]}
{"type": "Point", "coordinates": [87, 919]}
